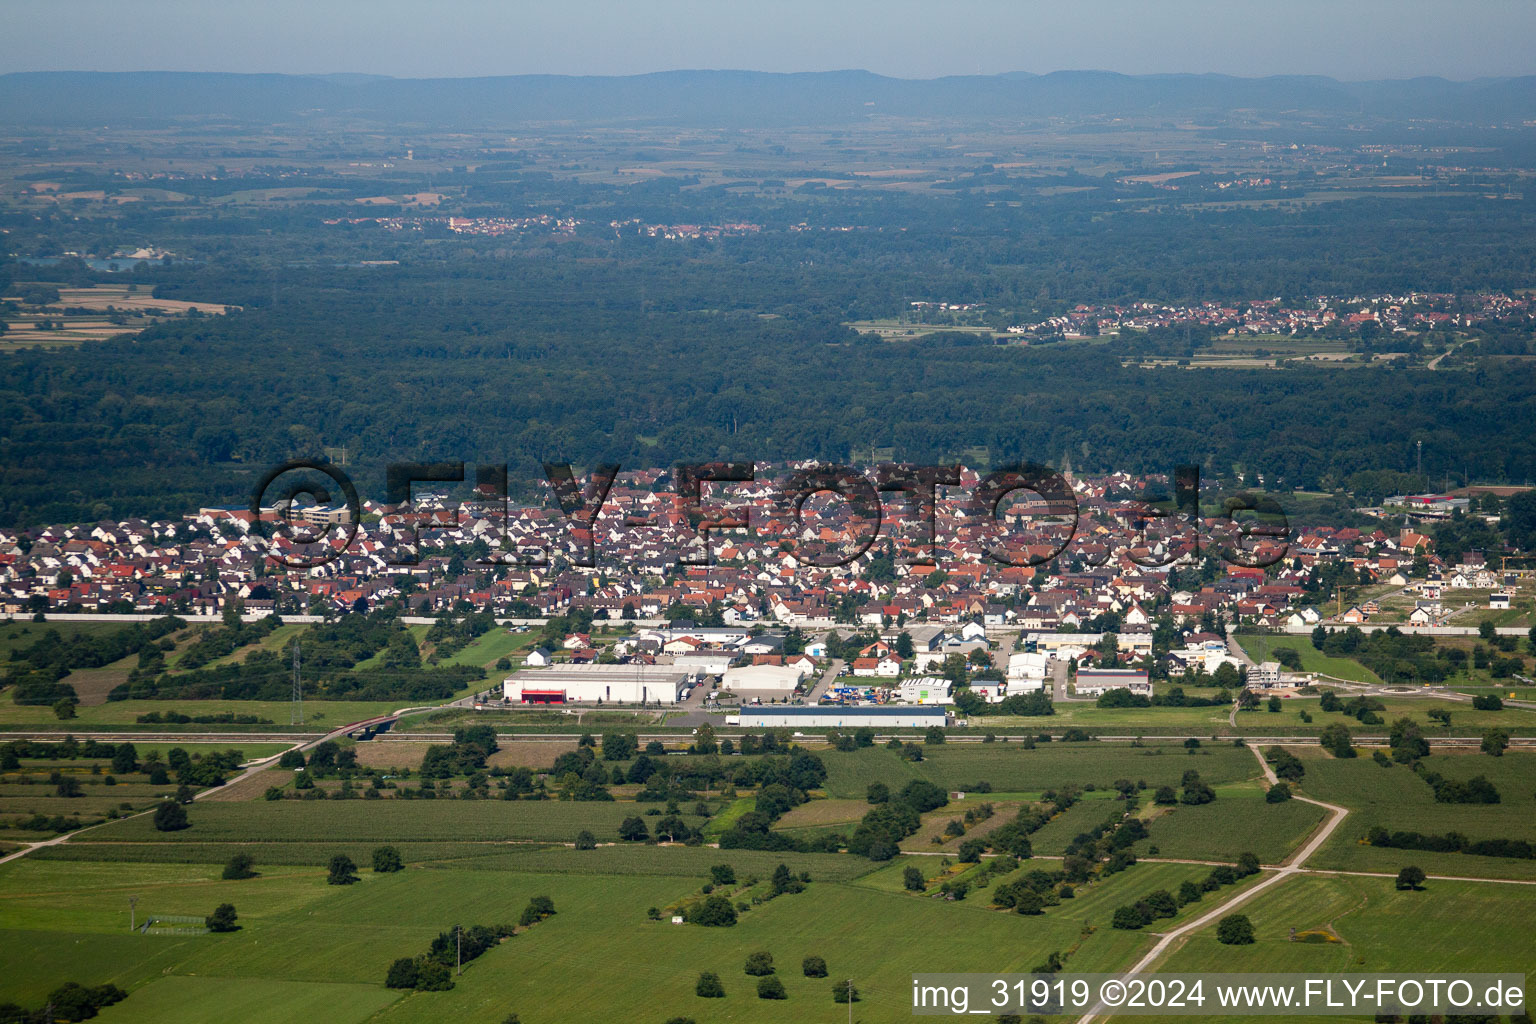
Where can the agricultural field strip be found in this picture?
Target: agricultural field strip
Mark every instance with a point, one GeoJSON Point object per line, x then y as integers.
{"type": "Point", "coordinates": [1292, 866]}
{"type": "Point", "coordinates": [249, 770]}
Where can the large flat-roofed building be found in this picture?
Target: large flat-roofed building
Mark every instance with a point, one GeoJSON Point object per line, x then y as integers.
{"type": "Point", "coordinates": [1070, 645]}
{"type": "Point", "coordinates": [926, 690]}
{"type": "Point", "coordinates": [583, 684]}
{"type": "Point", "coordinates": [1093, 682]}
{"type": "Point", "coordinates": [714, 636]}
{"type": "Point", "coordinates": [1028, 672]}
{"type": "Point", "coordinates": [763, 679]}
{"type": "Point", "coordinates": [836, 717]}
{"type": "Point", "coordinates": [924, 637]}
{"type": "Point", "coordinates": [704, 662]}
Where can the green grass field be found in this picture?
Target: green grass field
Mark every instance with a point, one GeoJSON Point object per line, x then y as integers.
{"type": "Point", "coordinates": [1238, 820]}
{"type": "Point", "coordinates": [598, 954]}
{"type": "Point", "coordinates": [319, 715]}
{"type": "Point", "coordinates": [1082, 816]}
{"type": "Point", "coordinates": [1136, 721]}
{"type": "Point", "coordinates": [27, 791]}
{"type": "Point", "coordinates": [251, 752]}
{"type": "Point", "coordinates": [485, 650]}
{"type": "Point", "coordinates": [1259, 646]}
{"type": "Point", "coordinates": [405, 820]}
{"type": "Point", "coordinates": [1450, 926]}
{"type": "Point", "coordinates": [307, 949]}
{"type": "Point", "coordinates": [23, 633]}
{"type": "Point", "coordinates": [1012, 769]}
{"type": "Point", "coordinates": [1396, 799]}
{"type": "Point", "coordinates": [183, 1000]}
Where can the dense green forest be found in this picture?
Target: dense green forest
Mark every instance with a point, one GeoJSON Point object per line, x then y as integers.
{"type": "Point", "coordinates": [648, 352]}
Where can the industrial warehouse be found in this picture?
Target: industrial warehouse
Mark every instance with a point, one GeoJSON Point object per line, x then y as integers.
{"type": "Point", "coordinates": [1096, 682]}
{"type": "Point", "coordinates": [777, 681]}
{"type": "Point", "coordinates": [609, 684]}
{"type": "Point", "coordinates": [837, 717]}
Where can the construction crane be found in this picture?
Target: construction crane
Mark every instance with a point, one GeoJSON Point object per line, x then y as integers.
{"type": "Point", "coordinates": [1338, 594]}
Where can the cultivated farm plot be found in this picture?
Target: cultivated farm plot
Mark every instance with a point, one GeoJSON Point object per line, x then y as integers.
{"type": "Point", "coordinates": [824, 812]}
{"type": "Point", "coordinates": [596, 953]}
{"type": "Point", "coordinates": [691, 862]}
{"type": "Point", "coordinates": [1237, 821]}
{"type": "Point", "coordinates": [513, 753]}
{"type": "Point", "coordinates": [599, 951]}
{"type": "Point", "coordinates": [182, 1000]}
{"type": "Point", "coordinates": [293, 853]}
{"type": "Point", "coordinates": [101, 296]}
{"type": "Point", "coordinates": [577, 968]}
{"type": "Point", "coordinates": [446, 821]}
{"type": "Point", "coordinates": [93, 684]}
{"type": "Point", "coordinates": [934, 823]}
{"type": "Point", "coordinates": [1092, 810]}
{"type": "Point", "coordinates": [319, 715]}
{"type": "Point", "coordinates": [82, 767]}
{"type": "Point", "coordinates": [1448, 927]}
{"type": "Point", "coordinates": [1012, 769]}
{"type": "Point", "coordinates": [1398, 800]}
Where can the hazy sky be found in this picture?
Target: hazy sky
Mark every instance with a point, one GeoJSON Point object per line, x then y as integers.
{"type": "Point", "coordinates": [906, 38]}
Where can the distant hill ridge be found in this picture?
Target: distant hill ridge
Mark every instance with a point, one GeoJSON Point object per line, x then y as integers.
{"type": "Point", "coordinates": [748, 98]}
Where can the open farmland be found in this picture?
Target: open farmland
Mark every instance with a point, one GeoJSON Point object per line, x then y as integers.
{"type": "Point", "coordinates": [319, 715]}
{"type": "Point", "coordinates": [1396, 799]}
{"type": "Point", "coordinates": [1450, 926]}
{"type": "Point", "coordinates": [300, 930]}
{"type": "Point", "coordinates": [513, 753]}
{"type": "Point", "coordinates": [932, 836]}
{"type": "Point", "coordinates": [1093, 809]}
{"type": "Point", "coordinates": [1010, 768]}
{"type": "Point", "coordinates": [1237, 820]}
{"type": "Point", "coordinates": [478, 861]}
{"type": "Point", "coordinates": [364, 821]}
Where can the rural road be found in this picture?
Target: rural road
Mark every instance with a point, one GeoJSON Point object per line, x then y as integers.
{"type": "Point", "coordinates": [1292, 866]}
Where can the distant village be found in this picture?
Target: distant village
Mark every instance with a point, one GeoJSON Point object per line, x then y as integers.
{"type": "Point", "coordinates": [1386, 313]}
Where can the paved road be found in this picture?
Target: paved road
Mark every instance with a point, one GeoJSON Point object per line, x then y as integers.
{"type": "Point", "coordinates": [1001, 652]}
{"type": "Point", "coordinates": [1059, 685]}
{"type": "Point", "coordinates": [1292, 866]}
{"type": "Point", "coordinates": [1236, 649]}
{"type": "Point", "coordinates": [825, 683]}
